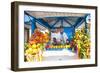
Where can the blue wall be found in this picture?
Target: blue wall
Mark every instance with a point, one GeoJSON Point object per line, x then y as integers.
{"type": "Point", "coordinates": [69, 32]}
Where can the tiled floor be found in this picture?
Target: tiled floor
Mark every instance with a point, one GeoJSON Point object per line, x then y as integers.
{"type": "Point", "coordinates": [59, 55]}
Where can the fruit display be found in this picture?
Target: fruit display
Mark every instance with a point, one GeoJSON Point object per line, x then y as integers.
{"type": "Point", "coordinates": [57, 46]}
{"type": "Point", "coordinates": [39, 37]}
{"type": "Point", "coordinates": [34, 48]}
{"type": "Point", "coordinates": [82, 43]}
{"type": "Point", "coordinates": [40, 40]}
{"type": "Point", "coordinates": [34, 52]}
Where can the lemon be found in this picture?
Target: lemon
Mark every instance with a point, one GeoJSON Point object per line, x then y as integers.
{"type": "Point", "coordinates": [34, 46]}
{"type": "Point", "coordinates": [29, 51]}
{"type": "Point", "coordinates": [38, 45]}
{"type": "Point", "coordinates": [35, 50]}
{"type": "Point", "coordinates": [64, 46]}
{"type": "Point", "coordinates": [59, 46]}
{"type": "Point", "coordinates": [67, 46]}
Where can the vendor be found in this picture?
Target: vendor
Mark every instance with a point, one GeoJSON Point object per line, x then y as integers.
{"type": "Point", "coordinates": [55, 35]}
{"type": "Point", "coordinates": [64, 37]}
{"type": "Point", "coordinates": [59, 35]}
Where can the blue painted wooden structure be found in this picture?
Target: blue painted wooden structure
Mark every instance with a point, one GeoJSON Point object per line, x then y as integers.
{"type": "Point", "coordinates": [69, 30]}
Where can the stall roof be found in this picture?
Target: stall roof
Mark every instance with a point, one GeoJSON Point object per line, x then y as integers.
{"type": "Point", "coordinates": [57, 19]}
{"type": "Point", "coordinates": [42, 14]}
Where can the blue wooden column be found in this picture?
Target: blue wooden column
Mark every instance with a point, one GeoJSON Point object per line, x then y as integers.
{"type": "Point", "coordinates": [61, 22]}
{"type": "Point", "coordinates": [73, 30]}
{"type": "Point", "coordinates": [85, 24]}
{"type": "Point", "coordinates": [33, 25]}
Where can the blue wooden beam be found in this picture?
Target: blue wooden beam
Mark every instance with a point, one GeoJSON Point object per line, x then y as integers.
{"type": "Point", "coordinates": [33, 25]}
{"type": "Point", "coordinates": [63, 27]}
{"type": "Point", "coordinates": [81, 21]}
{"type": "Point", "coordinates": [40, 21]}
{"type": "Point", "coordinates": [85, 23]}
{"type": "Point", "coordinates": [55, 23]}
{"type": "Point", "coordinates": [67, 22]}
{"type": "Point", "coordinates": [43, 23]}
{"type": "Point", "coordinates": [78, 21]}
{"type": "Point", "coordinates": [28, 14]}
{"type": "Point", "coordinates": [33, 21]}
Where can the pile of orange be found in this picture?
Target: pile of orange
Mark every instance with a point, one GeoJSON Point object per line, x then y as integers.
{"type": "Point", "coordinates": [39, 37]}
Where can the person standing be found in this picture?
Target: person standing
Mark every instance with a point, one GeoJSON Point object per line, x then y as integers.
{"type": "Point", "coordinates": [64, 36]}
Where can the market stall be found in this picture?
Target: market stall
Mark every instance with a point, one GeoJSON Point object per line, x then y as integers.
{"type": "Point", "coordinates": [57, 34]}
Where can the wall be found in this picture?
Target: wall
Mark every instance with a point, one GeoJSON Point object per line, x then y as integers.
{"type": "Point", "coordinates": [5, 31]}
